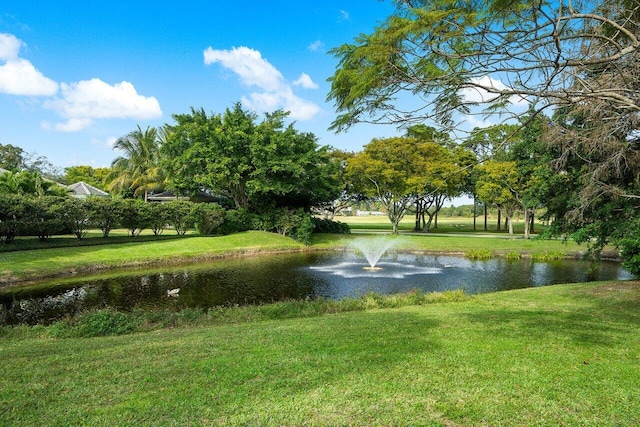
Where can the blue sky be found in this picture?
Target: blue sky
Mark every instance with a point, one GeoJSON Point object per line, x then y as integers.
{"type": "Point", "coordinates": [76, 75]}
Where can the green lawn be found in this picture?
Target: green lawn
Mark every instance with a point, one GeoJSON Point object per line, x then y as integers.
{"type": "Point", "coordinates": [98, 254]}
{"type": "Point", "coordinates": [445, 224]}
{"type": "Point", "coordinates": [557, 355]}
{"type": "Point", "coordinates": [90, 257]}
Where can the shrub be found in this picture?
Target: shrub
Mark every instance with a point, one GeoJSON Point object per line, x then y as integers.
{"type": "Point", "coordinates": [74, 214]}
{"type": "Point", "coordinates": [104, 213]}
{"type": "Point", "coordinates": [479, 254]}
{"type": "Point", "coordinates": [547, 256]}
{"type": "Point", "coordinates": [236, 221]}
{"type": "Point", "coordinates": [41, 218]}
{"type": "Point", "coordinates": [180, 216]}
{"type": "Point", "coordinates": [158, 217]}
{"type": "Point", "coordinates": [305, 230]}
{"type": "Point", "coordinates": [208, 217]}
{"type": "Point", "coordinates": [135, 216]}
{"type": "Point", "coordinates": [323, 225]}
{"type": "Point", "coordinates": [512, 256]}
{"type": "Point", "coordinates": [12, 212]}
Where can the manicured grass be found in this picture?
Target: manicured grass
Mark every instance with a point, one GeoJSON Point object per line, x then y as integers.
{"type": "Point", "coordinates": [43, 262]}
{"type": "Point", "coordinates": [557, 355]}
{"type": "Point", "coordinates": [445, 224]}
{"type": "Point", "coordinates": [30, 264]}
{"type": "Point", "coordinates": [458, 243]}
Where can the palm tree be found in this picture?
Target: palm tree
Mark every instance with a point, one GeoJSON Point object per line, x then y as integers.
{"type": "Point", "coordinates": [138, 169]}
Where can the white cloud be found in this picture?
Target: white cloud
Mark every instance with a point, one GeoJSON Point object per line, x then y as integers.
{"type": "Point", "coordinates": [344, 15]}
{"type": "Point", "coordinates": [17, 75]}
{"type": "Point", "coordinates": [300, 109]}
{"type": "Point", "coordinates": [315, 46]}
{"type": "Point", "coordinates": [9, 46]}
{"type": "Point", "coordinates": [82, 102]}
{"type": "Point", "coordinates": [484, 89]}
{"type": "Point", "coordinates": [255, 71]}
{"type": "Point", "coordinates": [248, 64]}
{"type": "Point", "coordinates": [305, 81]}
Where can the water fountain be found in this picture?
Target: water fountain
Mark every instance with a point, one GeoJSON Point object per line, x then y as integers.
{"type": "Point", "coordinates": [373, 249]}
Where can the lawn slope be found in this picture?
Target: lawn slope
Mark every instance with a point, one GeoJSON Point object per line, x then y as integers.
{"type": "Point", "coordinates": [557, 355]}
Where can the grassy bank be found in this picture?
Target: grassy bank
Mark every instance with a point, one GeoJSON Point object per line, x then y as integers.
{"type": "Point", "coordinates": [33, 264]}
{"type": "Point", "coordinates": [99, 254]}
{"type": "Point", "coordinates": [25, 264]}
{"type": "Point", "coordinates": [559, 355]}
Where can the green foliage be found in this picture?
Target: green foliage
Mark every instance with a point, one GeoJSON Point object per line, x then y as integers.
{"type": "Point", "coordinates": [42, 217]}
{"type": "Point", "coordinates": [304, 230]}
{"type": "Point", "coordinates": [248, 162]}
{"type": "Point", "coordinates": [135, 216]}
{"type": "Point", "coordinates": [158, 217]}
{"type": "Point", "coordinates": [96, 177]}
{"type": "Point", "coordinates": [208, 217]}
{"type": "Point", "coordinates": [236, 220]}
{"type": "Point", "coordinates": [548, 256]}
{"type": "Point", "coordinates": [106, 322]}
{"type": "Point", "coordinates": [323, 225]}
{"type": "Point", "coordinates": [513, 256]}
{"type": "Point", "coordinates": [74, 214]}
{"type": "Point", "coordinates": [479, 254]}
{"type": "Point", "coordinates": [105, 213]}
{"type": "Point", "coordinates": [179, 214]}
{"type": "Point", "coordinates": [95, 324]}
{"type": "Point", "coordinates": [29, 183]}
{"type": "Point", "coordinates": [12, 210]}
{"type": "Point", "coordinates": [138, 169]}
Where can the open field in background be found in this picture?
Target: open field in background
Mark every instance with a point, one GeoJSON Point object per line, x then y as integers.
{"type": "Point", "coordinates": [559, 355]}
{"type": "Point", "coordinates": [445, 224]}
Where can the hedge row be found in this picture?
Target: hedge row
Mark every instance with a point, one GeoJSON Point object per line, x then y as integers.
{"type": "Point", "coordinates": [52, 215]}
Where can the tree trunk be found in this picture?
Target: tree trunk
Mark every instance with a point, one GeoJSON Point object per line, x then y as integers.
{"type": "Point", "coordinates": [475, 212]}
{"type": "Point", "coordinates": [532, 225]}
{"type": "Point", "coordinates": [527, 224]}
{"type": "Point", "coordinates": [499, 218]}
{"type": "Point", "coordinates": [486, 215]}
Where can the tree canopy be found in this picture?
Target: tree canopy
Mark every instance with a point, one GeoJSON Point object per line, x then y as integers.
{"type": "Point", "coordinates": [138, 168]}
{"type": "Point", "coordinates": [251, 163]}
{"type": "Point", "coordinates": [483, 56]}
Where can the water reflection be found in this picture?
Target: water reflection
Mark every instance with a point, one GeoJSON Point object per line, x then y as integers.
{"type": "Point", "coordinates": [278, 277]}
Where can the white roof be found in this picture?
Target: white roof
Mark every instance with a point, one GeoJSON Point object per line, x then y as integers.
{"type": "Point", "coordinates": [82, 189]}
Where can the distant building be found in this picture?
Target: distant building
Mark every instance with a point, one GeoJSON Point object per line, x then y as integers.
{"type": "Point", "coordinates": [82, 190]}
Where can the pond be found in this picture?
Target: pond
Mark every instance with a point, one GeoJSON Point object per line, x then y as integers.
{"type": "Point", "coordinates": [261, 279]}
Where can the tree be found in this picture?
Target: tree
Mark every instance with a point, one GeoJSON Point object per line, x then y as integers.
{"type": "Point", "coordinates": [498, 184]}
{"type": "Point", "coordinates": [29, 184]}
{"type": "Point", "coordinates": [92, 176]}
{"type": "Point", "coordinates": [347, 197]}
{"type": "Point", "coordinates": [451, 54]}
{"type": "Point", "coordinates": [391, 171]}
{"type": "Point", "coordinates": [104, 213]}
{"type": "Point", "coordinates": [250, 163]}
{"type": "Point", "coordinates": [12, 158]}
{"type": "Point", "coordinates": [138, 169]}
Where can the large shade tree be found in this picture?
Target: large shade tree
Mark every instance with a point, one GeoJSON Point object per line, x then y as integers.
{"type": "Point", "coordinates": [249, 162]}
{"type": "Point", "coordinates": [483, 55]}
